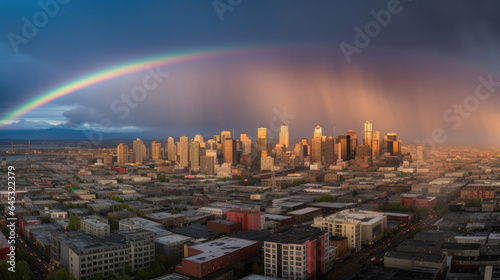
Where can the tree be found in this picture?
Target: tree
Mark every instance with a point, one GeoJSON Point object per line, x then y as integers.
{"type": "Point", "coordinates": [114, 223]}
{"type": "Point", "coordinates": [61, 274]}
{"type": "Point", "coordinates": [116, 198]}
{"type": "Point", "coordinates": [69, 206]}
{"type": "Point", "coordinates": [162, 178]}
{"type": "Point", "coordinates": [74, 223]}
{"type": "Point", "coordinates": [22, 270]}
{"type": "Point", "coordinates": [473, 202]}
{"type": "Point", "coordinates": [97, 276]}
{"type": "Point", "coordinates": [174, 211]}
{"type": "Point", "coordinates": [121, 206]}
{"type": "Point", "coordinates": [326, 198]}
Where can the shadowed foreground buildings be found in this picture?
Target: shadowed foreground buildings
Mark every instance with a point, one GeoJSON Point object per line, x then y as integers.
{"type": "Point", "coordinates": [207, 258]}
{"type": "Point", "coordinates": [300, 253]}
{"type": "Point", "coordinates": [85, 255]}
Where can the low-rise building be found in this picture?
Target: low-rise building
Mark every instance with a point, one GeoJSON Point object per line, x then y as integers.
{"type": "Point", "coordinates": [167, 219]}
{"type": "Point", "coordinates": [95, 227]}
{"type": "Point", "coordinates": [407, 261]}
{"type": "Point", "coordinates": [172, 247]}
{"type": "Point", "coordinates": [207, 258]}
{"type": "Point", "coordinates": [305, 214]}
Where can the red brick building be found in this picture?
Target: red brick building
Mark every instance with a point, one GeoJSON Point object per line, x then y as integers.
{"type": "Point", "coordinates": [209, 257]}
{"type": "Point", "coordinates": [246, 219]}
{"type": "Point", "coordinates": [28, 220]}
{"type": "Point", "coordinates": [407, 201]}
{"type": "Point", "coordinates": [420, 202]}
{"type": "Point", "coordinates": [4, 247]}
{"type": "Point", "coordinates": [478, 191]}
{"type": "Point", "coordinates": [425, 202]}
{"type": "Point", "coordinates": [400, 217]}
{"type": "Point", "coordinates": [228, 227]}
{"type": "Point", "coordinates": [305, 214]}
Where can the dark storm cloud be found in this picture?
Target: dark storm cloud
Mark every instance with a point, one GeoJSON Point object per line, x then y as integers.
{"type": "Point", "coordinates": [81, 115]}
{"type": "Point", "coordinates": [426, 59]}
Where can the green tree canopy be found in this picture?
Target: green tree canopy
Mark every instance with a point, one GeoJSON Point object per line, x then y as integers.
{"type": "Point", "coordinates": [326, 198]}
{"type": "Point", "coordinates": [74, 223]}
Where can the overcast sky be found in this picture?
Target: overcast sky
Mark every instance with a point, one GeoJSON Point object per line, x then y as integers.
{"type": "Point", "coordinates": [427, 58]}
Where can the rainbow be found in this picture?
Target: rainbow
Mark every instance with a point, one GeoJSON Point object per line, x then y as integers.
{"type": "Point", "coordinates": [119, 70]}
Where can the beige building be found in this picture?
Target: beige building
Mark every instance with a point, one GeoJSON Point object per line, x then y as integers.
{"type": "Point", "coordinates": [373, 224]}
{"type": "Point", "coordinates": [340, 225]}
{"type": "Point", "coordinates": [122, 153]}
{"type": "Point", "coordinates": [95, 227]}
{"type": "Point", "coordinates": [156, 150]}
{"type": "Point", "coordinates": [184, 151]}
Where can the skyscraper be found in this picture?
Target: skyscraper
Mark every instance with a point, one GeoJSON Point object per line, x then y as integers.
{"type": "Point", "coordinates": [345, 147]}
{"type": "Point", "coordinates": [391, 136]}
{"type": "Point", "coordinates": [138, 151]}
{"type": "Point", "coordinates": [195, 153]}
{"type": "Point", "coordinates": [122, 153]}
{"type": "Point", "coordinates": [230, 152]}
{"type": "Point", "coordinates": [184, 151]}
{"type": "Point", "coordinates": [329, 150]}
{"type": "Point", "coordinates": [317, 145]}
{"type": "Point", "coordinates": [317, 150]}
{"type": "Point", "coordinates": [284, 136]}
{"type": "Point", "coordinates": [171, 148]}
{"type": "Point", "coordinates": [420, 154]}
{"type": "Point", "coordinates": [198, 138]}
{"type": "Point", "coordinates": [262, 140]}
{"type": "Point", "coordinates": [225, 135]}
{"type": "Point", "coordinates": [368, 134]}
{"type": "Point", "coordinates": [145, 152]}
{"type": "Point", "coordinates": [354, 140]}
{"type": "Point", "coordinates": [155, 150]}
{"type": "Point", "coordinates": [207, 165]}
{"type": "Point", "coordinates": [376, 143]}
{"type": "Point", "coordinates": [317, 132]}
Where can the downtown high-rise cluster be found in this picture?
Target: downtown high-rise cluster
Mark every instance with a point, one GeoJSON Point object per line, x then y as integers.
{"type": "Point", "coordinates": [318, 152]}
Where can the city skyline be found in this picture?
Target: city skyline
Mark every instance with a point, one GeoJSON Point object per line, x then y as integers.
{"type": "Point", "coordinates": [250, 139]}
{"type": "Point", "coordinates": [428, 80]}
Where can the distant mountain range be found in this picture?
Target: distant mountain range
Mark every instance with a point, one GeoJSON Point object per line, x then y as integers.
{"type": "Point", "coordinates": [41, 130]}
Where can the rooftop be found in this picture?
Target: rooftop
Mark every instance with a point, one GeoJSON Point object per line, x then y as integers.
{"type": "Point", "coordinates": [163, 215]}
{"type": "Point", "coordinates": [225, 222]}
{"type": "Point", "coordinates": [95, 222]}
{"type": "Point", "coordinates": [218, 248]}
{"type": "Point", "coordinates": [172, 238]}
{"type": "Point", "coordinates": [296, 235]}
{"type": "Point", "coordinates": [304, 211]}
{"type": "Point", "coordinates": [416, 256]}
